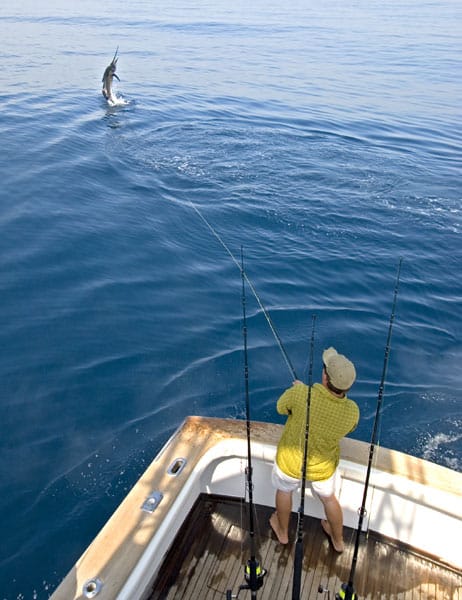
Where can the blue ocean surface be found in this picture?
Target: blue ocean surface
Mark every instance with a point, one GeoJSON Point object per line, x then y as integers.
{"type": "Point", "coordinates": [323, 138]}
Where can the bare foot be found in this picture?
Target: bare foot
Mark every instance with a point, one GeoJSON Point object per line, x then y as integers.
{"type": "Point", "coordinates": [338, 547]}
{"type": "Point", "coordinates": [274, 522]}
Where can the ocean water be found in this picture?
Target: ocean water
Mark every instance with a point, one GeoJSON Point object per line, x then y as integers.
{"type": "Point", "coordinates": [323, 138]}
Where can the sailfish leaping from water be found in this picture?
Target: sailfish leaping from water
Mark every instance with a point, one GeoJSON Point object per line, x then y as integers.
{"type": "Point", "coordinates": [108, 76]}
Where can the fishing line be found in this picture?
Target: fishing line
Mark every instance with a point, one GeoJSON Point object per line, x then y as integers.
{"type": "Point", "coordinates": [298, 558]}
{"type": "Point", "coordinates": [254, 291]}
{"type": "Point", "coordinates": [347, 591]}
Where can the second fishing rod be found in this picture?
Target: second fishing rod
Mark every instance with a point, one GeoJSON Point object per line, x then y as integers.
{"type": "Point", "coordinates": [298, 555]}
{"type": "Point", "coordinates": [347, 590]}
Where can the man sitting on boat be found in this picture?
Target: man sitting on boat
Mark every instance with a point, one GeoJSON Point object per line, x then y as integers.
{"type": "Point", "coordinates": [331, 417]}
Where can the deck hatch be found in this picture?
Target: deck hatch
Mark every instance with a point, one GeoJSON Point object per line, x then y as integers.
{"type": "Point", "coordinates": [177, 466]}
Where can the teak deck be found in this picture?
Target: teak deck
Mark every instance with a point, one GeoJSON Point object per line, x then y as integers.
{"type": "Point", "coordinates": [212, 547]}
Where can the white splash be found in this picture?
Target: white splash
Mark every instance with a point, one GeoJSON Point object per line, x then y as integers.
{"type": "Point", "coordinates": [117, 101]}
{"type": "Point", "coordinates": [433, 445]}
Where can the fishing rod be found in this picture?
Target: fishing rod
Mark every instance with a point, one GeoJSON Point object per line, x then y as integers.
{"type": "Point", "coordinates": [254, 291]}
{"type": "Point", "coordinates": [347, 591]}
{"type": "Point", "coordinates": [253, 572]}
{"type": "Point", "coordinates": [298, 557]}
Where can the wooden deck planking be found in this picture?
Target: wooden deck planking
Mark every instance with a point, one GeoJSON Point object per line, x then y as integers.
{"type": "Point", "coordinates": [212, 548]}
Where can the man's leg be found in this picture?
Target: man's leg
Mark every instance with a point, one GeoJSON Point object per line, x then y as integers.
{"type": "Point", "coordinates": [279, 520]}
{"type": "Point", "coordinates": [334, 525]}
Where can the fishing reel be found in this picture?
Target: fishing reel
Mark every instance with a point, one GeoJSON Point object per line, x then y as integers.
{"type": "Point", "coordinates": [253, 574]}
{"type": "Point", "coordinates": [346, 592]}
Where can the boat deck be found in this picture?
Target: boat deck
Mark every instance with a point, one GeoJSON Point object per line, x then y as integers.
{"type": "Point", "coordinates": [211, 549]}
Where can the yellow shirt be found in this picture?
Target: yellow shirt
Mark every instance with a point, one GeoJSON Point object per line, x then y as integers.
{"type": "Point", "coordinates": [331, 418]}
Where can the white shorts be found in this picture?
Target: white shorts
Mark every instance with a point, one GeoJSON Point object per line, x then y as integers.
{"type": "Point", "coordinates": [286, 483]}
